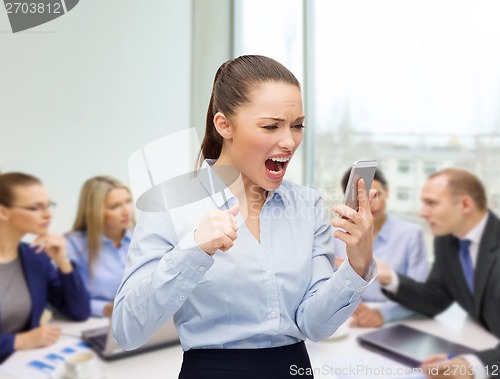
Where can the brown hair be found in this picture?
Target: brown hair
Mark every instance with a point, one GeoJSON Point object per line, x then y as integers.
{"type": "Point", "coordinates": [90, 213]}
{"type": "Point", "coordinates": [232, 83]}
{"type": "Point", "coordinates": [14, 179]}
{"type": "Point", "coordinates": [461, 182]}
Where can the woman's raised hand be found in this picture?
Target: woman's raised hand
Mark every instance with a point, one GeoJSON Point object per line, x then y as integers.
{"type": "Point", "coordinates": [217, 230]}
{"type": "Point", "coordinates": [55, 247]}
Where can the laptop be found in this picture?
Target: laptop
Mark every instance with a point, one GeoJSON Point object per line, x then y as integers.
{"type": "Point", "coordinates": [101, 340]}
{"type": "Point", "coordinates": [409, 346]}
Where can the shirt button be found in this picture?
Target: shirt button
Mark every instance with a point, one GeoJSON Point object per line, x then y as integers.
{"type": "Point", "coordinates": [347, 282]}
{"type": "Point", "coordinates": [182, 297]}
{"type": "Point", "coordinates": [201, 268]}
{"type": "Point", "coordinates": [273, 314]}
{"type": "Point", "coordinates": [269, 273]}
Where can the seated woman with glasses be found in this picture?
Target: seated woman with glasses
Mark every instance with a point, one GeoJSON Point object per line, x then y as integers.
{"type": "Point", "coordinates": [28, 279]}
{"type": "Point", "coordinates": [99, 242]}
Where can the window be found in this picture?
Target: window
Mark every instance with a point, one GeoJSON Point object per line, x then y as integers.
{"type": "Point", "coordinates": [430, 168]}
{"type": "Point", "coordinates": [393, 84]}
{"type": "Point", "coordinates": [495, 201]}
{"type": "Point", "coordinates": [403, 194]}
{"type": "Point", "coordinates": [404, 167]}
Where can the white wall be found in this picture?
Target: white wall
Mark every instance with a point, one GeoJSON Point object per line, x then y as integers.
{"type": "Point", "coordinates": [79, 94]}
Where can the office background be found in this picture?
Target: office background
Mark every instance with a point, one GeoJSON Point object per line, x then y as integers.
{"type": "Point", "coordinates": [414, 84]}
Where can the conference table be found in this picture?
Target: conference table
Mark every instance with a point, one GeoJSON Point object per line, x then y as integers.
{"type": "Point", "coordinates": [337, 357]}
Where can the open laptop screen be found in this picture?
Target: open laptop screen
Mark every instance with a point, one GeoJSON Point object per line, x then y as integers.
{"type": "Point", "coordinates": [101, 340]}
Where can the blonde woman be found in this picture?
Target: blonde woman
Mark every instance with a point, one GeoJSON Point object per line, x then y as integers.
{"type": "Point", "coordinates": [99, 241]}
{"type": "Point", "coordinates": [33, 276]}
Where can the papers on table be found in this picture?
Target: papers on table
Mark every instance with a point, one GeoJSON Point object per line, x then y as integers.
{"type": "Point", "coordinates": [42, 363]}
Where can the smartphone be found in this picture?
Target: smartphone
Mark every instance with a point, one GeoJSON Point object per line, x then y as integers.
{"type": "Point", "coordinates": [360, 170]}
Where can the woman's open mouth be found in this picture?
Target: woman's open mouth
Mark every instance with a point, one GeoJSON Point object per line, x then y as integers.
{"type": "Point", "coordinates": [276, 166]}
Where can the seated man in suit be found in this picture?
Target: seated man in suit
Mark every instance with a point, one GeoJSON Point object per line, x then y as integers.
{"type": "Point", "coordinates": [466, 267]}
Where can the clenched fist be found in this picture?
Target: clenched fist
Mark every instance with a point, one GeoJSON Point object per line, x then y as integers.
{"type": "Point", "coordinates": [217, 230]}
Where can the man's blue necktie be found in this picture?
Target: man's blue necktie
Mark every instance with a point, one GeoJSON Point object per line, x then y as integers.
{"type": "Point", "coordinates": [466, 262]}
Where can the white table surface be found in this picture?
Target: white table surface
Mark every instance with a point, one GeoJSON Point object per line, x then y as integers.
{"type": "Point", "coordinates": [165, 363]}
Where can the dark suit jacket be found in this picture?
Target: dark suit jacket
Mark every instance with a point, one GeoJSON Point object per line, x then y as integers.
{"type": "Point", "coordinates": [446, 284]}
{"type": "Point", "coordinates": [46, 285]}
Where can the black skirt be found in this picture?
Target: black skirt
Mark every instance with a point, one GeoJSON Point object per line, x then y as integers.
{"type": "Point", "coordinates": [269, 363]}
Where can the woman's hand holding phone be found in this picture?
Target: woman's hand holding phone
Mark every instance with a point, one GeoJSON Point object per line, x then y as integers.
{"type": "Point", "coordinates": [358, 226]}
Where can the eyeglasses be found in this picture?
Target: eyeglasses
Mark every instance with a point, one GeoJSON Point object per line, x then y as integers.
{"type": "Point", "coordinates": [37, 208]}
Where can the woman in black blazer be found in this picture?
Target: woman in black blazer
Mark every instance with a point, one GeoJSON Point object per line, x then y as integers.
{"type": "Point", "coordinates": [33, 276]}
